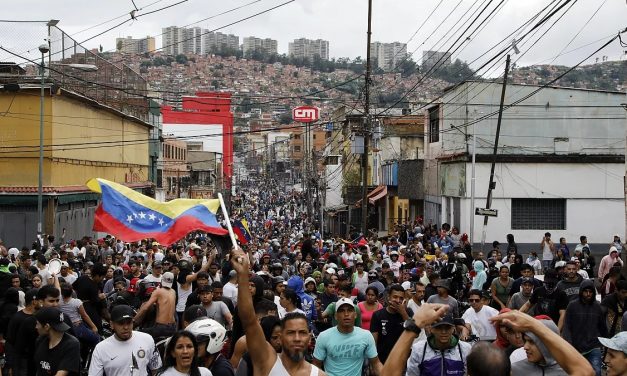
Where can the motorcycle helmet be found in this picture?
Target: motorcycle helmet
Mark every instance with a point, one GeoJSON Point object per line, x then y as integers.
{"type": "Point", "coordinates": [210, 332]}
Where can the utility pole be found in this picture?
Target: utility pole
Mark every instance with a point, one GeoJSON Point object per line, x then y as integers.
{"type": "Point", "coordinates": [366, 130]}
{"type": "Point", "coordinates": [494, 153]}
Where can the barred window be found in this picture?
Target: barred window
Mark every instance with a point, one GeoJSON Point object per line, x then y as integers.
{"type": "Point", "coordinates": [538, 214]}
{"type": "Point", "coordinates": [434, 124]}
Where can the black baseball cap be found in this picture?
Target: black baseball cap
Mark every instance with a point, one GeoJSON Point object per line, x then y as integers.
{"type": "Point", "coordinates": [53, 317]}
{"type": "Point", "coordinates": [526, 280]}
{"type": "Point", "coordinates": [446, 320]}
{"type": "Point", "coordinates": [122, 313]}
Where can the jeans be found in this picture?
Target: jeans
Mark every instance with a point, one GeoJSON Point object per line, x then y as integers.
{"type": "Point", "coordinates": [545, 265]}
{"type": "Point", "coordinates": [86, 335]}
{"type": "Point", "coordinates": [595, 357]}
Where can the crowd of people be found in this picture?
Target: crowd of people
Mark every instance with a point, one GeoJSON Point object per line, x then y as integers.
{"type": "Point", "coordinates": [290, 300]}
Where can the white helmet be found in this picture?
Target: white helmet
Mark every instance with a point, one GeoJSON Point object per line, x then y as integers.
{"type": "Point", "coordinates": [209, 331]}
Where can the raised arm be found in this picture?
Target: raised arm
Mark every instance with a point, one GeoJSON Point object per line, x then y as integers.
{"type": "Point", "coordinates": [425, 315]}
{"type": "Point", "coordinates": [564, 353]}
{"type": "Point", "coordinates": [261, 352]}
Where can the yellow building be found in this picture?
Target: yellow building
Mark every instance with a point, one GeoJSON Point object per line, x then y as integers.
{"type": "Point", "coordinates": [82, 139]}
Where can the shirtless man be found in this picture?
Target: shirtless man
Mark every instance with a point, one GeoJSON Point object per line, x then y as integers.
{"type": "Point", "coordinates": [165, 300]}
{"type": "Point", "coordinates": [295, 334]}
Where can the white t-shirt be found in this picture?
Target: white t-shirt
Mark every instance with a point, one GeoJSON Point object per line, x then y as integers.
{"type": "Point", "coordinates": [115, 358]}
{"type": "Point", "coordinates": [69, 278]}
{"type": "Point", "coordinates": [280, 310]}
{"type": "Point", "coordinates": [152, 278]}
{"type": "Point", "coordinates": [480, 322]}
{"type": "Point", "coordinates": [173, 372]}
{"type": "Point", "coordinates": [230, 291]}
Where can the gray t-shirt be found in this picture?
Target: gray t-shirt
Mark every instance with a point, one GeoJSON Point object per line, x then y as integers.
{"type": "Point", "coordinates": [217, 311]}
{"type": "Point", "coordinates": [70, 309]}
{"type": "Point", "coordinates": [452, 303]}
{"type": "Point", "coordinates": [518, 300]}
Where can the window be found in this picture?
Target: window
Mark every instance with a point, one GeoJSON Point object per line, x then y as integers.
{"type": "Point", "coordinates": [332, 160]}
{"type": "Point", "coordinates": [296, 137]}
{"type": "Point", "coordinates": [538, 214]}
{"type": "Point", "coordinates": [297, 148]}
{"type": "Point", "coordinates": [434, 124]}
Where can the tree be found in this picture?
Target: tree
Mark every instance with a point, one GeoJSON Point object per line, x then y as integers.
{"type": "Point", "coordinates": [181, 59]}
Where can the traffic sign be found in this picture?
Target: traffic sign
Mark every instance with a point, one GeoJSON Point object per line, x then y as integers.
{"type": "Point", "coordinates": [305, 114]}
{"type": "Point", "coordinates": [488, 212]}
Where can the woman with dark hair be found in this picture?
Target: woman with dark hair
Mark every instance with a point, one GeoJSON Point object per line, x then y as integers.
{"type": "Point", "coordinates": [290, 301]}
{"type": "Point", "coordinates": [369, 306]}
{"type": "Point", "coordinates": [181, 357]}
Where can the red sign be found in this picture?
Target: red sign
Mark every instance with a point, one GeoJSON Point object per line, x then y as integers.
{"type": "Point", "coordinates": [305, 114]}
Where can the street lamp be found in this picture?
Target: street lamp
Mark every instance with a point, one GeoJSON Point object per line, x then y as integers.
{"type": "Point", "coordinates": [44, 49]}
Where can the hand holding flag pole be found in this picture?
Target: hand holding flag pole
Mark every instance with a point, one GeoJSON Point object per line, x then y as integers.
{"type": "Point", "coordinates": [228, 224]}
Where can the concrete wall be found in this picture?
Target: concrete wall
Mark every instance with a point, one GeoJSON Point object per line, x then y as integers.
{"type": "Point", "coordinates": [594, 193]}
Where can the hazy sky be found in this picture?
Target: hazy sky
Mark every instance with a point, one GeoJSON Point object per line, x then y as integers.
{"type": "Point", "coordinates": [342, 22]}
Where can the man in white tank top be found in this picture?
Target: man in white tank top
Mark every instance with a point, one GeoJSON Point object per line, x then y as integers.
{"type": "Point", "coordinates": [295, 334]}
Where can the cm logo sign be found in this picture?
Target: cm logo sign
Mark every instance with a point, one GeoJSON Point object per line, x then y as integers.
{"type": "Point", "coordinates": [306, 114]}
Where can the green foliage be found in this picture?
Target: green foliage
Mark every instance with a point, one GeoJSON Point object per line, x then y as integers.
{"type": "Point", "coordinates": [181, 59]}
{"type": "Point", "coordinates": [453, 73]}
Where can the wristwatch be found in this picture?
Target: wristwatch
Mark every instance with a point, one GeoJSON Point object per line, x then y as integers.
{"type": "Point", "coordinates": [411, 326]}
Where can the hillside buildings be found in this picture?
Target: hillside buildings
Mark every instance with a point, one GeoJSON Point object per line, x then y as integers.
{"type": "Point", "coordinates": [304, 48]}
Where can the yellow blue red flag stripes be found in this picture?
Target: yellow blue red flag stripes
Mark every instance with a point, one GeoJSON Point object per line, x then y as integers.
{"type": "Point", "coordinates": [132, 216]}
{"type": "Point", "coordinates": [240, 228]}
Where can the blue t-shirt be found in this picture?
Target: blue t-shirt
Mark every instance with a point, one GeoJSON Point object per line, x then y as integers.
{"type": "Point", "coordinates": [344, 354]}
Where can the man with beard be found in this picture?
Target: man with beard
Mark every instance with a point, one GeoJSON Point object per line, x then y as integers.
{"type": "Point", "coordinates": [548, 300]}
{"type": "Point", "coordinates": [571, 282]}
{"type": "Point", "coordinates": [294, 333]}
{"type": "Point", "coordinates": [127, 352]}
{"type": "Point", "coordinates": [584, 323]}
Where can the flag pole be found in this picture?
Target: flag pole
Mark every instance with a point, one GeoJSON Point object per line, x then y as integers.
{"type": "Point", "coordinates": [228, 220]}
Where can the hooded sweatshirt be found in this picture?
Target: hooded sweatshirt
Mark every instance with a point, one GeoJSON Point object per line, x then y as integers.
{"type": "Point", "coordinates": [481, 276]}
{"type": "Point", "coordinates": [549, 367]}
{"type": "Point", "coordinates": [608, 261]}
{"type": "Point", "coordinates": [584, 321]}
{"type": "Point", "coordinates": [307, 302]}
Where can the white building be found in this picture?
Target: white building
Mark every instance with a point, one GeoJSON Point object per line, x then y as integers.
{"type": "Point", "coordinates": [560, 163]}
{"type": "Point", "coordinates": [304, 48]}
{"type": "Point", "coordinates": [213, 41]}
{"type": "Point", "coordinates": [267, 45]}
{"type": "Point", "coordinates": [388, 55]}
{"type": "Point", "coordinates": [171, 38]}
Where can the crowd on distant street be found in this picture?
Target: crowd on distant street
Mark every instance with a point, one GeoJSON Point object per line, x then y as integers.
{"type": "Point", "coordinates": [293, 300]}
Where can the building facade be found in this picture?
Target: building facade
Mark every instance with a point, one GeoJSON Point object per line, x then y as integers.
{"type": "Point", "coordinates": [304, 48]}
{"type": "Point", "coordinates": [559, 166]}
{"type": "Point", "coordinates": [108, 145]}
{"type": "Point", "coordinates": [267, 45]}
{"type": "Point", "coordinates": [214, 41]}
{"type": "Point", "coordinates": [129, 45]}
{"type": "Point", "coordinates": [388, 55]}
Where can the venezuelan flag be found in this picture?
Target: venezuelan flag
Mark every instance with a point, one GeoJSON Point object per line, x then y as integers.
{"type": "Point", "coordinates": [240, 228]}
{"type": "Point", "coordinates": [132, 216]}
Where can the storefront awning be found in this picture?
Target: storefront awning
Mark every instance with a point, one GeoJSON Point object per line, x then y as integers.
{"type": "Point", "coordinates": [376, 194]}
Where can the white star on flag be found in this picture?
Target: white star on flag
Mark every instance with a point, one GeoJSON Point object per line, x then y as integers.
{"type": "Point", "coordinates": [135, 215]}
{"type": "Point", "coordinates": [151, 216]}
{"type": "Point", "coordinates": [142, 215]}
{"type": "Point", "coordinates": [161, 221]}
{"type": "Point", "coordinates": [129, 218]}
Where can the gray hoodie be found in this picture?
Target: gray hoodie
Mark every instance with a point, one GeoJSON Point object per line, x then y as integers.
{"type": "Point", "coordinates": [550, 366]}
